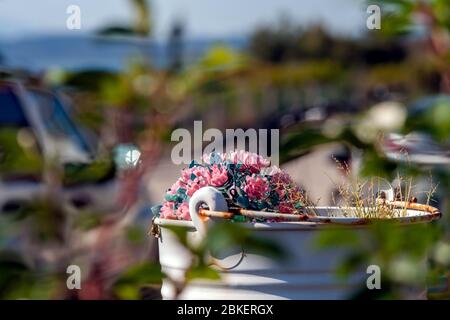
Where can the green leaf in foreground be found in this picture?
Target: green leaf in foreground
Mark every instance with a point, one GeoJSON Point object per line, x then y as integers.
{"type": "Point", "coordinates": [202, 272]}
{"type": "Point", "coordinates": [128, 286]}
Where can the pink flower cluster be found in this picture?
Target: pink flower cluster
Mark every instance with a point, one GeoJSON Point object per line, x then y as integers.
{"type": "Point", "coordinates": [191, 180]}
{"type": "Point", "coordinates": [249, 160]}
{"type": "Point", "coordinates": [256, 187]}
{"type": "Point", "coordinates": [259, 186]}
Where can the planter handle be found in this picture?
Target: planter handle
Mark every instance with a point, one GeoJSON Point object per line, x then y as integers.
{"type": "Point", "coordinates": [213, 199]}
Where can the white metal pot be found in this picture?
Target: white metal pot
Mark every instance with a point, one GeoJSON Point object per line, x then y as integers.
{"type": "Point", "coordinates": [307, 274]}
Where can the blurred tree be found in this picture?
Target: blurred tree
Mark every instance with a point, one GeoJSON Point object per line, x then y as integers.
{"type": "Point", "coordinates": [175, 47]}
{"type": "Point", "coordinates": [428, 20]}
{"type": "Point", "coordinates": [143, 23]}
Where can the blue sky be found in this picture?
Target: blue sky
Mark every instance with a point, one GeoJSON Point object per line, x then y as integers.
{"type": "Point", "coordinates": [204, 18]}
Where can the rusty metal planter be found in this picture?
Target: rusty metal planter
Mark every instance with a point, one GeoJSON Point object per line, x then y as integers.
{"type": "Point", "coordinates": [307, 274]}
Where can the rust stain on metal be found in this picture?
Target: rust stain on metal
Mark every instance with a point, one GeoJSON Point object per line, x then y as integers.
{"type": "Point", "coordinates": [216, 214]}
{"type": "Point", "coordinates": [432, 213]}
{"type": "Point", "coordinates": [155, 229]}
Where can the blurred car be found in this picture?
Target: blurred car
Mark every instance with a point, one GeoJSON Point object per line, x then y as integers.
{"type": "Point", "coordinates": [427, 141]}
{"type": "Point", "coordinates": [37, 133]}
{"type": "Point", "coordinates": [415, 147]}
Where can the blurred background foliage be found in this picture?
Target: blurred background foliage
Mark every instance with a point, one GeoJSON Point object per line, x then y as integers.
{"type": "Point", "coordinates": [316, 87]}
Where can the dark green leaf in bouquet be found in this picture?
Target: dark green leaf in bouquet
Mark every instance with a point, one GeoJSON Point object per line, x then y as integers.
{"type": "Point", "coordinates": [215, 158]}
{"type": "Point", "coordinates": [243, 201]}
{"type": "Point", "coordinates": [155, 210]}
{"type": "Point", "coordinates": [193, 164]}
{"type": "Point", "coordinates": [171, 197]}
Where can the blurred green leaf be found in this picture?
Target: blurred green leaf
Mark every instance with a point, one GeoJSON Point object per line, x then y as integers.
{"type": "Point", "coordinates": [202, 272]}
{"type": "Point", "coordinates": [129, 283]}
{"type": "Point", "coordinates": [337, 237]}
{"type": "Point", "coordinates": [135, 234]}
{"type": "Point", "coordinates": [16, 158]}
{"type": "Point", "coordinates": [86, 220]}
{"type": "Point", "coordinates": [225, 235]}
{"type": "Point", "coordinates": [220, 58]}
{"type": "Point", "coordinates": [301, 141]}
{"type": "Point", "coordinates": [375, 165]}
{"type": "Point", "coordinates": [95, 172]}
{"type": "Point", "coordinates": [181, 233]}
{"type": "Point", "coordinates": [354, 261]}
{"type": "Point", "coordinates": [89, 80]}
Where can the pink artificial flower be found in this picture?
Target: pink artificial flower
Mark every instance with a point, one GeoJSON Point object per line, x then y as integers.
{"type": "Point", "coordinates": [282, 178]}
{"type": "Point", "coordinates": [286, 207]}
{"type": "Point", "coordinates": [256, 187]}
{"type": "Point", "coordinates": [280, 182]}
{"type": "Point", "coordinates": [196, 186]}
{"type": "Point", "coordinates": [281, 192]}
{"type": "Point", "coordinates": [255, 160]}
{"type": "Point", "coordinates": [249, 160]}
{"type": "Point", "coordinates": [232, 157]}
{"type": "Point", "coordinates": [183, 212]}
{"type": "Point", "coordinates": [270, 171]}
{"type": "Point", "coordinates": [293, 195]}
{"type": "Point", "coordinates": [217, 176]}
{"type": "Point", "coordinates": [175, 187]}
{"type": "Point", "coordinates": [194, 178]}
{"type": "Point", "coordinates": [188, 174]}
{"type": "Point", "coordinates": [168, 210]}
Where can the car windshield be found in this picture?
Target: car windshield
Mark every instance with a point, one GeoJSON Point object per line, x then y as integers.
{"type": "Point", "coordinates": [56, 120]}
{"type": "Point", "coordinates": [11, 114]}
{"type": "Point", "coordinates": [16, 139]}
